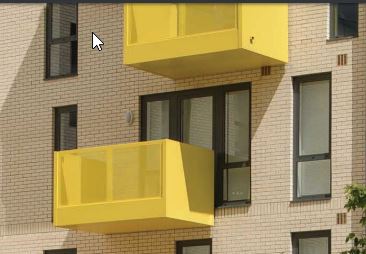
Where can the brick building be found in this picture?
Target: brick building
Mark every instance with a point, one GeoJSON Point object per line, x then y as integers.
{"type": "Point", "coordinates": [287, 130]}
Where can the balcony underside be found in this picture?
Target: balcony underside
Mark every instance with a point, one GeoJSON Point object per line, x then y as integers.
{"type": "Point", "coordinates": [208, 64]}
{"type": "Point", "coordinates": [141, 225]}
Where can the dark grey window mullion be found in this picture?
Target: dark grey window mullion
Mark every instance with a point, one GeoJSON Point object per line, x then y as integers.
{"type": "Point", "coordinates": [314, 157]}
{"type": "Point", "coordinates": [237, 164]}
{"type": "Point", "coordinates": [48, 38]}
{"type": "Point", "coordinates": [219, 146]}
{"type": "Point", "coordinates": [63, 40]}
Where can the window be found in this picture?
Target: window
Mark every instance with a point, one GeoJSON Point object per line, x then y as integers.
{"type": "Point", "coordinates": [313, 242]}
{"type": "Point", "coordinates": [61, 251]}
{"type": "Point", "coordinates": [343, 20]}
{"type": "Point", "coordinates": [312, 136]}
{"type": "Point", "coordinates": [217, 118]}
{"type": "Point", "coordinates": [66, 128]}
{"type": "Point", "coordinates": [61, 40]}
{"type": "Point", "coordinates": [201, 246]}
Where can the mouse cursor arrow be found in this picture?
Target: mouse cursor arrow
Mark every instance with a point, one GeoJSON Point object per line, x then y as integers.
{"type": "Point", "coordinates": [96, 42]}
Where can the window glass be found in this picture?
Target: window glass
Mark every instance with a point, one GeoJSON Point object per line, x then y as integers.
{"type": "Point", "coordinates": [197, 249]}
{"type": "Point", "coordinates": [237, 126]}
{"type": "Point", "coordinates": [313, 178]}
{"type": "Point", "coordinates": [314, 117]}
{"type": "Point", "coordinates": [197, 121]}
{"type": "Point", "coordinates": [237, 184]}
{"type": "Point", "coordinates": [61, 59]}
{"type": "Point", "coordinates": [313, 245]}
{"type": "Point", "coordinates": [66, 129]}
{"type": "Point", "coordinates": [63, 20]}
{"type": "Point", "coordinates": [61, 48]}
{"type": "Point", "coordinates": [157, 120]}
{"type": "Point", "coordinates": [344, 19]}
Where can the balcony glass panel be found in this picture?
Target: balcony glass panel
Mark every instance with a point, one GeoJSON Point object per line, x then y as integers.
{"type": "Point", "coordinates": [151, 23]}
{"type": "Point", "coordinates": [101, 175]}
{"type": "Point", "coordinates": [210, 17]}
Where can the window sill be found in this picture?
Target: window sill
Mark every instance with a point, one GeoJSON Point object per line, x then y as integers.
{"type": "Point", "coordinates": [345, 38]}
{"type": "Point", "coordinates": [311, 198]}
{"type": "Point", "coordinates": [235, 204]}
{"type": "Point", "coordinates": [61, 76]}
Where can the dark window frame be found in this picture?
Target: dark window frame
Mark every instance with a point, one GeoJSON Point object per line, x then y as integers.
{"type": "Point", "coordinates": [218, 94]}
{"type": "Point", "coordinates": [332, 32]}
{"type": "Point", "coordinates": [296, 236]}
{"type": "Point", "coordinates": [296, 116]}
{"type": "Point", "coordinates": [191, 243]}
{"type": "Point", "coordinates": [57, 122]}
{"type": "Point", "coordinates": [61, 251]}
{"type": "Point", "coordinates": [49, 42]}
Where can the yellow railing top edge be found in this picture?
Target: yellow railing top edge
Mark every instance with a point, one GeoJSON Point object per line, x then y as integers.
{"type": "Point", "coordinates": [133, 144]}
{"type": "Point", "coordinates": [106, 147]}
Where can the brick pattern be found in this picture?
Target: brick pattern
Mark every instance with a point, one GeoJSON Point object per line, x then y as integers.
{"type": "Point", "coordinates": [105, 89]}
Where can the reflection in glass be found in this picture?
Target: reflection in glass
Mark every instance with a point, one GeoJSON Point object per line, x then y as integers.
{"type": "Point", "coordinates": [313, 178]}
{"type": "Point", "coordinates": [197, 121]}
{"type": "Point", "coordinates": [237, 184]}
{"type": "Point", "coordinates": [157, 120]}
{"type": "Point", "coordinates": [205, 249]}
{"type": "Point", "coordinates": [313, 245]}
{"type": "Point", "coordinates": [68, 130]}
{"type": "Point", "coordinates": [63, 58]}
{"type": "Point", "coordinates": [344, 20]}
{"type": "Point", "coordinates": [63, 20]}
{"type": "Point", "coordinates": [314, 118]}
{"type": "Point", "coordinates": [237, 126]}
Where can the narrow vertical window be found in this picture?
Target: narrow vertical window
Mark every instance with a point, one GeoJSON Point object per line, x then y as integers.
{"type": "Point", "coordinates": [201, 246]}
{"type": "Point", "coordinates": [61, 40]}
{"type": "Point", "coordinates": [312, 142]}
{"type": "Point", "coordinates": [343, 20]}
{"type": "Point", "coordinates": [66, 128]}
{"type": "Point", "coordinates": [311, 242]}
{"type": "Point", "coordinates": [236, 180]}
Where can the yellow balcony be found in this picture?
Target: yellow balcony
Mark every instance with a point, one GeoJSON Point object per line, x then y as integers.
{"type": "Point", "coordinates": [185, 40]}
{"type": "Point", "coordinates": [140, 186]}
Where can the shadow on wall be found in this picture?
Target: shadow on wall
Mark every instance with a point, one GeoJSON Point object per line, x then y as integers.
{"type": "Point", "coordinates": [26, 134]}
{"type": "Point", "coordinates": [358, 115]}
{"type": "Point", "coordinates": [26, 142]}
{"type": "Point", "coordinates": [26, 127]}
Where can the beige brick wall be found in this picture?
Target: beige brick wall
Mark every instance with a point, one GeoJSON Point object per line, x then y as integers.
{"type": "Point", "coordinates": [105, 89]}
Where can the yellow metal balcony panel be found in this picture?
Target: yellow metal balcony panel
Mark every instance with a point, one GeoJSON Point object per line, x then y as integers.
{"type": "Point", "coordinates": [133, 187]}
{"type": "Point", "coordinates": [186, 40]}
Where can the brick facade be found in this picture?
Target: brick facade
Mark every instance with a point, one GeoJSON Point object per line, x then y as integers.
{"type": "Point", "coordinates": [105, 90]}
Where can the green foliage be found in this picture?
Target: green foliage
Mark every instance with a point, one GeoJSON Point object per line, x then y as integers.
{"type": "Point", "coordinates": [356, 199]}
